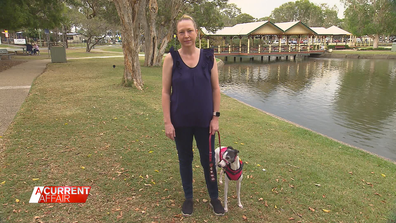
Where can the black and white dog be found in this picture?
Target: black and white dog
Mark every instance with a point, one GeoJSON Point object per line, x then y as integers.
{"type": "Point", "coordinates": [228, 160]}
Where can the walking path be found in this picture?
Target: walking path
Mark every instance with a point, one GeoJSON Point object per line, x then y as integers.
{"type": "Point", "coordinates": [15, 85]}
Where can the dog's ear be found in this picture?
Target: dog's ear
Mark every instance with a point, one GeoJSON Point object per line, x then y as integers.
{"type": "Point", "coordinates": [237, 151]}
{"type": "Point", "coordinates": [230, 147]}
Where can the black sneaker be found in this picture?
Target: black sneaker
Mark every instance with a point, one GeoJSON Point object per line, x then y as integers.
{"type": "Point", "coordinates": [187, 208]}
{"type": "Point", "coordinates": [217, 207]}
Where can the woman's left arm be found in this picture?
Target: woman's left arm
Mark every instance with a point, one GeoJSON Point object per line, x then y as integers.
{"type": "Point", "coordinates": [214, 123]}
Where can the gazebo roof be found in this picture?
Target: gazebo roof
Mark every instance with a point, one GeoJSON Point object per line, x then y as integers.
{"type": "Point", "coordinates": [269, 28]}
{"type": "Point", "coordinates": [244, 29]}
{"type": "Point", "coordinates": [331, 31]}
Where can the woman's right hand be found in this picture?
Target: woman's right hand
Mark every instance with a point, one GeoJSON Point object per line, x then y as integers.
{"type": "Point", "coordinates": [170, 131]}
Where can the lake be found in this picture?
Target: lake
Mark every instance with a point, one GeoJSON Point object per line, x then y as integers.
{"type": "Point", "coordinates": [351, 100]}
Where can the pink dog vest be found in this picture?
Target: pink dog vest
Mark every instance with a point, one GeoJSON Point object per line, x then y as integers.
{"type": "Point", "coordinates": [231, 174]}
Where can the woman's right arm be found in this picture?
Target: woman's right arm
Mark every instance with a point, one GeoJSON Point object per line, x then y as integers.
{"type": "Point", "coordinates": [166, 92]}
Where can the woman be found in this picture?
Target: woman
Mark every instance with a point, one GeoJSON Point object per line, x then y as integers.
{"type": "Point", "coordinates": [191, 104]}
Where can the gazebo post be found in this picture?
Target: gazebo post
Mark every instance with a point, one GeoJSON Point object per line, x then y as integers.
{"type": "Point", "coordinates": [299, 44]}
{"type": "Point", "coordinates": [280, 43]}
{"type": "Point", "coordinates": [240, 44]}
{"type": "Point", "coordinates": [248, 46]}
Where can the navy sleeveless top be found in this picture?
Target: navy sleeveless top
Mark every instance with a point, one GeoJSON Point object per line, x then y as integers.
{"type": "Point", "coordinates": [191, 98]}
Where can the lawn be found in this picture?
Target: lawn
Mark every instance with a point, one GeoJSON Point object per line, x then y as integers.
{"type": "Point", "coordinates": [79, 127]}
{"type": "Point", "coordinates": [365, 52]}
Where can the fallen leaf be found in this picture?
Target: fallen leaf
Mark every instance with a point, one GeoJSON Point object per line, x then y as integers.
{"type": "Point", "coordinates": [383, 175]}
{"type": "Point", "coordinates": [156, 171]}
{"type": "Point", "coordinates": [326, 211]}
{"type": "Point", "coordinates": [2, 183]}
{"type": "Point", "coordinates": [83, 167]}
{"type": "Point", "coordinates": [151, 151]}
{"type": "Point", "coordinates": [261, 199]}
{"type": "Point", "coordinates": [291, 219]}
{"type": "Point", "coordinates": [35, 179]}
{"type": "Point", "coordinates": [318, 185]}
{"type": "Point", "coordinates": [204, 200]}
{"type": "Point", "coordinates": [311, 209]}
{"type": "Point", "coordinates": [258, 165]}
{"type": "Point", "coordinates": [244, 217]}
{"type": "Point", "coordinates": [17, 200]}
{"type": "Point", "coordinates": [265, 203]}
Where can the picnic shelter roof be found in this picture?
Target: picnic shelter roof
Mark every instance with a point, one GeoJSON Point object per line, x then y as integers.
{"type": "Point", "coordinates": [269, 28]}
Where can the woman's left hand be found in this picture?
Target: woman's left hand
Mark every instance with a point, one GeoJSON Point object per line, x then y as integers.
{"type": "Point", "coordinates": [214, 125]}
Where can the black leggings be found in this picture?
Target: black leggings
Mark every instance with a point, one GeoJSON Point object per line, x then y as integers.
{"type": "Point", "coordinates": [184, 142]}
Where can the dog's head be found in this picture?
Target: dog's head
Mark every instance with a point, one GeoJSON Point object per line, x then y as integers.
{"type": "Point", "coordinates": [229, 156]}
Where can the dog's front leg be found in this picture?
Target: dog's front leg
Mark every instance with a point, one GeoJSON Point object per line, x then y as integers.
{"type": "Point", "coordinates": [221, 176]}
{"type": "Point", "coordinates": [238, 188]}
{"type": "Point", "coordinates": [226, 180]}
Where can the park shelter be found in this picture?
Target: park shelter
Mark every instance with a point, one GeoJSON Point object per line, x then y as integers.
{"type": "Point", "coordinates": [332, 32]}
{"type": "Point", "coordinates": [262, 30]}
{"type": "Point", "coordinates": [249, 30]}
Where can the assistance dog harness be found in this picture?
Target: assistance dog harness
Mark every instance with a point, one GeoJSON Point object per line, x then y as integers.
{"type": "Point", "coordinates": [231, 174]}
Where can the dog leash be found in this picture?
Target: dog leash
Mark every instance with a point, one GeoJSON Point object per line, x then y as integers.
{"type": "Point", "coordinates": [211, 162]}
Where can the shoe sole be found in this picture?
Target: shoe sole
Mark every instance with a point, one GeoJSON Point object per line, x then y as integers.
{"type": "Point", "coordinates": [187, 215]}
{"type": "Point", "coordinates": [218, 214]}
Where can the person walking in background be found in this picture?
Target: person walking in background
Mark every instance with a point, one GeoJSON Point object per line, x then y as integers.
{"type": "Point", "coordinates": [191, 104]}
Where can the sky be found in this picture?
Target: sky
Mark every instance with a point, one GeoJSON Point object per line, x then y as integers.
{"type": "Point", "coordinates": [263, 8]}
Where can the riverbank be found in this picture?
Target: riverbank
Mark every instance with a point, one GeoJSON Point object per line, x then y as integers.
{"type": "Point", "coordinates": [354, 54]}
{"type": "Point", "coordinates": [78, 126]}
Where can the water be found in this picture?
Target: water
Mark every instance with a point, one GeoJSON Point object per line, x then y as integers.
{"type": "Point", "coordinates": [351, 100]}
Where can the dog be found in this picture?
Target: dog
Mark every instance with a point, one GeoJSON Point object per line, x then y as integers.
{"type": "Point", "coordinates": [228, 160]}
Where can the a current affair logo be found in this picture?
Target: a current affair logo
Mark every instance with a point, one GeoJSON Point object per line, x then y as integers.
{"type": "Point", "coordinates": [60, 194]}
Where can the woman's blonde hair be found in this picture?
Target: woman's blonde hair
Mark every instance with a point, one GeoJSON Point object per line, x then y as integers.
{"type": "Point", "coordinates": [187, 17]}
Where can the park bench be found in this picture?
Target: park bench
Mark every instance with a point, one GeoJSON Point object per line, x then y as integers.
{"type": "Point", "coordinates": [4, 52]}
{"type": "Point", "coordinates": [340, 47]}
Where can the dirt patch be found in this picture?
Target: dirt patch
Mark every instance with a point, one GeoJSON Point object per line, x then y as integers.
{"type": "Point", "coordinates": [7, 64]}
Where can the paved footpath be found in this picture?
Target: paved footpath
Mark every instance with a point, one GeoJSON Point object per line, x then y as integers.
{"type": "Point", "coordinates": [15, 85]}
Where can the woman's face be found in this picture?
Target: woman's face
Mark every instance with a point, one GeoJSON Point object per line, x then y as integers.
{"type": "Point", "coordinates": [186, 33]}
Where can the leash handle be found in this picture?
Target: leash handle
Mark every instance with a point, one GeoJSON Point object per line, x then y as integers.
{"type": "Point", "coordinates": [211, 162]}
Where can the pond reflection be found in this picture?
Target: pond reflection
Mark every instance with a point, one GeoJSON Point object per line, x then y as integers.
{"type": "Point", "coordinates": [351, 100]}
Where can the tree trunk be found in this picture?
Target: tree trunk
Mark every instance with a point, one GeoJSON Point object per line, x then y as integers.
{"type": "Point", "coordinates": [151, 37]}
{"type": "Point", "coordinates": [128, 11]}
{"type": "Point", "coordinates": [376, 41]}
{"type": "Point", "coordinates": [87, 49]}
{"type": "Point", "coordinates": [154, 35]}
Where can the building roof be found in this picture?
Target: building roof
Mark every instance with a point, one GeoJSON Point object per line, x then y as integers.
{"type": "Point", "coordinates": [269, 28]}
{"type": "Point", "coordinates": [331, 31]}
{"type": "Point", "coordinates": [241, 29]}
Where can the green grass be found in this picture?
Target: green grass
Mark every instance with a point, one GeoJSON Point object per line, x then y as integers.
{"type": "Point", "coordinates": [365, 52]}
{"type": "Point", "coordinates": [79, 127]}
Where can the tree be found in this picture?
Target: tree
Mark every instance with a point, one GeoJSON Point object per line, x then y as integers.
{"type": "Point", "coordinates": [244, 18]}
{"type": "Point", "coordinates": [229, 14]}
{"type": "Point", "coordinates": [159, 23]}
{"type": "Point", "coordinates": [34, 14]}
{"type": "Point", "coordinates": [130, 14]}
{"type": "Point", "coordinates": [370, 17]}
{"type": "Point", "coordinates": [306, 12]}
{"type": "Point", "coordinates": [91, 22]}
{"type": "Point", "coordinates": [330, 17]}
